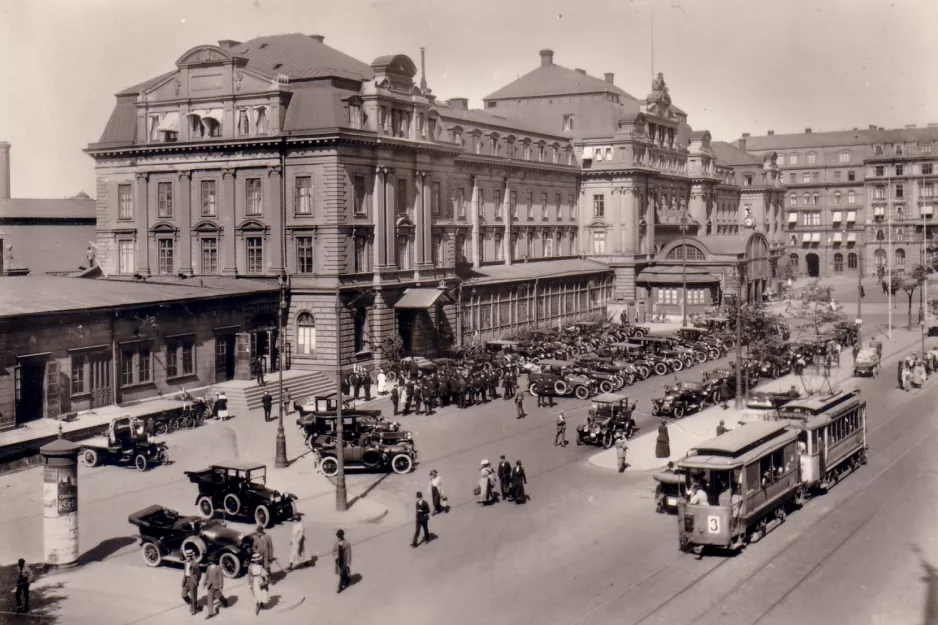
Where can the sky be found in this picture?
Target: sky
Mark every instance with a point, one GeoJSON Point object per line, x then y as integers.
{"type": "Point", "coordinates": [734, 66]}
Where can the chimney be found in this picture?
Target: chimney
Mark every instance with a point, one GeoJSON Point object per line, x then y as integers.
{"type": "Point", "coordinates": [741, 143]}
{"type": "Point", "coordinates": [610, 78]}
{"type": "Point", "coordinates": [872, 127]}
{"type": "Point", "coordinates": [910, 125]}
{"type": "Point", "coordinates": [423, 70]}
{"type": "Point", "coordinates": [771, 132]}
{"type": "Point", "coordinates": [807, 131]}
{"type": "Point", "coordinates": [547, 57]}
{"type": "Point", "coordinates": [227, 44]}
{"type": "Point", "coordinates": [4, 170]}
{"type": "Point", "coordinates": [580, 71]}
{"type": "Point", "coordinates": [318, 38]}
{"type": "Point", "coordinates": [459, 103]}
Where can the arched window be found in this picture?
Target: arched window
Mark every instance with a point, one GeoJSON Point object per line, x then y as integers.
{"type": "Point", "coordinates": [807, 198]}
{"type": "Point", "coordinates": [899, 234]}
{"type": "Point", "coordinates": [851, 260]}
{"type": "Point", "coordinates": [305, 334]}
{"type": "Point", "coordinates": [837, 197]}
{"type": "Point", "coordinates": [816, 199]}
{"type": "Point", "coordinates": [838, 263]}
{"type": "Point", "coordinates": [900, 256]}
{"type": "Point", "coordinates": [260, 124]}
{"type": "Point", "coordinates": [692, 253]}
{"type": "Point", "coordinates": [880, 235]}
{"type": "Point", "coordinates": [244, 124]}
{"type": "Point", "coordinates": [793, 261]}
{"type": "Point", "coordinates": [793, 199]}
{"type": "Point", "coordinates": [879, 256]}
{"type": "Point", "coordinates": [851, 197]}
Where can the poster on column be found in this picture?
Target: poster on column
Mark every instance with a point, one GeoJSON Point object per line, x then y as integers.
{"type": "Point", "coordinates": [67, 487]}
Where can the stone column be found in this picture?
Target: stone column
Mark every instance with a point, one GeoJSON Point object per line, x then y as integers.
{"type": "Point", "coordinates": [651, 201]}
{"type": "Point", "coordinates": [506, 204]}
{"type": "Point", "coordinates": [419, 219]}
{"type": "Point", "coordinates": [275, 219]}
{"type": "Point", "coordinates": [185, 222]}
{"type": "Point", "coordinates": [391, 208]}
{"type": "Point", "coordinates": [630, 218]}
{"type": "Point", "coordinates": [474, 207]}
{"type": "Point", "coordinates": [142, 223]}
{"type": "Point", "coordinates": [378, 200]}
{"type": "Point", "coordinates": [427, 196]}
{"type": "Point", "coordinates": [229, 221]}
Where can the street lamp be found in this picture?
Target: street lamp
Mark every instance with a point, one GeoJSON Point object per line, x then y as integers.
{"type": "Point", "coordinates": [684, 270]}
{"type": "Point", "coordinates": [739, 335]}
{"type": "Point", "coordinates": [280, 461]}
{"type": "Point", "coordinates": [341, 494]}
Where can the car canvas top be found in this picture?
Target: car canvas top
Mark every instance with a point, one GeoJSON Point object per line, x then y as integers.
{"type": "Point", "coordinates": [609, 398]}
{"type": "Point", "coordinates": [240, 466]}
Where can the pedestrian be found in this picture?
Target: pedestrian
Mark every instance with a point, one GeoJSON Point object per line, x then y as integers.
{"type": "Point", "coordinates": [561, 437]}
{"type": "Point", "coordinates": [418, 398]}
{"type": "Point", "coordinates": [366, 384]}
{"type": "Point", "coordinates": [519, 404]}
{"type": "Point", "coordinates": [504, 477]}
{"type": "Point", "coordinates": [855, 351]}
{"type": "Point", "coordinates": [24, 577]}
{"type": "Point", "coordinates": [382, 382]}
{"type": "Point", "coordinates": [268, 402]}
{"type": "Point", "coordinates": [259, 581]}
{"type": "Point", "coordinates": [346, 385]}
{"type": "Point", "coordinates": [918, 374]}
{"type": "Point", "coordinates": [724, 393]}
{"type": "Point", "coordinates": [409, 395]}
{"type": "Point", "coordinates": [414, 369]}
{"type": "Point", "coordinates": [395, 398]}
{"type": "Point", "coordinates": [191, 574]}
{"type": "Point", "coordinates": [900, 372]}
{"type": "Point", "coordinates": [422, 521]}
{"type": "Point", "coordinates": [663, 444]}
{"type": "Point", "coordinates": [621, 449]}
{"type": "Point", "coordinates": [221, 406]}
{"type": "Point", "coordinates": [342, 554]}
{"type": "Point", "coordinates": [485, 489]}
{"type": "Point", "coordinates": [287, 400]}
{"type": "Point", "coordinates": [214, 586]}
{"type": "Point", "coordinates": [437, 496]}
{"type": "Point", "coordinates": [721, 429]}
{"type": "Point", "coordinates": [540, 389]}
{"type": "Point", "coordinates": [258, 368]}
{"type": "Point", "coordinates": [356, 384]}
{"type": "Point", "coordinates": [518, 481]}
{"type": "Point", "coordinates": [264, 546]}
{"type": "Point", "coordinates": [297, 541]}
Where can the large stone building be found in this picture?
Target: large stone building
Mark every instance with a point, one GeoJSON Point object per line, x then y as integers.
{"type": "Point", "coordinates": [390, 213]}
{"type": "Point", "coordinates": [650, 181]}
{"type": "Point", "coordinates": [853, 195]}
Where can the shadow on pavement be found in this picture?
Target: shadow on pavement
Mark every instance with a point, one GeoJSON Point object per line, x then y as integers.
{"type": "Point", "coordinates": [930, 616]}
{"type": "Point", "coordinates": [368, 490]}
{"type": "Point", "coordinates": [105, 549]}
{"type": "Point", "coordinates": [354, 579]}
{"type": "Point", "coordinates": [43, 600]}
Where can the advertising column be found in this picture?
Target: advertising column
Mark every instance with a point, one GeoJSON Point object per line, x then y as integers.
{"type": "Point", "coordinates": [60, 503]}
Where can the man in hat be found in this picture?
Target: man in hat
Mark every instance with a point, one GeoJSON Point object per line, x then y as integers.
{"type": "Point", "coordinates": [297, 541]}
{"type": "Point", "coordinates": [264, 546]}
{"type": "Point", "coordinates": [561, 437]}
{"type": "Point", "coordinates": [423, 520]}
{"type": "Point", "coordinates": [268, 402]}
{"type": "Point", "coordinates": [504, 477]}
{"type": "Point", "coordinates": [395, 399]}
{"type": "Point", "coordinates": [342, 554]}
{"type": "Point", "coordinates": [721, 429]}
{"type": "Point", "coordinates": [214, 584]}
{"type": "Point", "coordinates": [366, 384]}
{"type": "Point", "coordinates": [519, 404]}
{"type": "Point", "coordinates": [258, 371]}
{"type": "Point", "coordinates": [191, 574]}
{"type": "Point", "coordinates": [24, 577]}
{"type": "Point", "coordinates": [621, 449]}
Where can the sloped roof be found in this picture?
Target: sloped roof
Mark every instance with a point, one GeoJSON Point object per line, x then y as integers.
{"type": "Point", "coordinates": [145, 85]}
{"type": "Point", "coordinates": [542, 269]}
{"type": "Point", "coordinates": [725, 243]}
{"type": "Point", "coordinates": [300, 57]}
{"type": "Point", "coordinates": [316, 108]}
{"type": "Point", "coordinates": [729, 154]}
{"type": "Point", "coordinates": [476, 116]}
{"type": "Point", "coordinates": [122, 124]}
{"type": "Point", "coordinates": [840, 138]}
{"type": "Point", "coordinates": [675, 274]}
{"type": "Point", "coordinates": [554, 80]}
{"type": "Point", "coordinates": [71, 208]}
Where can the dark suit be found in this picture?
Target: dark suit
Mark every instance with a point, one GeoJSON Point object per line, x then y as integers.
{"type": "Point", "coordinates": [214, 584]}
{"type": "Point", "coordinates": [268, 403]}
{"type": "Point", "coordinates": [504, 477]}
{"type": "Point", "coordinates": [191, 575]}
{"type": "Point", "coordinates": [423, 518]}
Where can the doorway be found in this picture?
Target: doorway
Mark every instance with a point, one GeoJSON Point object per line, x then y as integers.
{"type": "Point", "coordinates": [405, 328]}
{"type": "Point", "coordinates": [224, 357]}
{"type": "Point", "coordinates": [30, 389]}
{"type": "Point", "coordinates": [813, 264]}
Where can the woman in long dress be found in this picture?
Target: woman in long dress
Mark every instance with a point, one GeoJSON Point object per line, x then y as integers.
{"type": "Point", "coordinates": [382, 382]}
{"type": "Point", "coordinates": [518, 480]}
{"type": "Point", "coordinates": [259, 581]}
{"type": "Point", "coordinates": [906, 378]}
{"type": "Point", "coordinates": [918, 374]}
{"type": "Point", "coordinates": [486, 483]}
{"type": "Point", "coordinates": [663, 444]}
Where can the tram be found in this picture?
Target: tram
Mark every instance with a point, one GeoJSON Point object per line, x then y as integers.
{"type": "Point", "coordinates": [831, 436]}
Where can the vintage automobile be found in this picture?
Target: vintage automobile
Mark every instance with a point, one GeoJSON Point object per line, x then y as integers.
{"type": "Point", "coordinates": [126, 442]}
{"type": "Point", "coordinates": [771, 400]}
{"type": "Point", "coordinates": [555, 376]}
{"type": "Point", "coordinates": [240, 490]}
{"type": "Point", "coordinates": [637, 331]}
{"type": "Point", "coordinates": [867, 363]}
{"type": "Point", "coordinates": [610, 414]}
{"type": "Point", "coordinates": [165, 535]}
{"type": "Point", "coordinates": [680, 399]}
{"type": "Point", "coordinates": [319, 428]}
{"type": "Point", "coordinates": [631, 354]}
{"type": "Point", "coordinates": [371, 451]}
{"type": "Point", "coordinates": [669, 491]}
{"type": "Point", "coordinates": [775, 364]}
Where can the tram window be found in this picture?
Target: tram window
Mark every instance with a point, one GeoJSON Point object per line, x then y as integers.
{"type": "Point", "coordinates": [813, 449]}
{"type": "Point", "coordinates": [753, 478]}
{"type": "Point", "coordinates": [789, 458]}
{"type": "Point", "coordinates": [778, 462]}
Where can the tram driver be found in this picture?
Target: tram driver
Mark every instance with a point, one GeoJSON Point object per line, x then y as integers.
{"type": "Point", "coordinates": [698, 496]}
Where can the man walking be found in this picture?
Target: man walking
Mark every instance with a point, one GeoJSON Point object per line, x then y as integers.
{"type": "Point", "coordinates": [423, 519]}
{"type": "Point", "coordinates": [621, 449]}
{"type": "Point", "coordinates": [268, 402]}
{"type": "Point", "coordinates": [214, 585]}
{"type": "Point", "coordinates": [24, 577]}
{"type": "Point", "coordinates": [191, 574]}
{"type": "Point", "coordinates": [297, 541]}
{"type": "Point", "coordinates": [519, 404]}
{"type": "Point", "coordinates": [395, 398]}
{"type": "Point", "coordinates": [366, 384]}
{"type": "Point", "coordinates": [264, 546]}
{"type": "Point", "coordinates": [409, 391]}
{"type": "Point", "coordinates": [342, 554]}
{"type": "Point", "coordinates": [356, 384]}
{"type": "Point", "coordinates": [561, 437]}
{"type": "Point", "coordinates": [258, 371]}
{"type": "Point", "coordinates": [721, 429]}
{"type": "Point", "coordinates": [504, 477]}
{"type": "Point", "coordinates": [724, 393]}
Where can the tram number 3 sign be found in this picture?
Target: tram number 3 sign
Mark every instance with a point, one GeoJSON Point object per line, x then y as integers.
{"type": "Point", "coordinates": [713, 524]}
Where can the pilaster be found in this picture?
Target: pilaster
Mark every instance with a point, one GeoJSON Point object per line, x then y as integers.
{"type": "Point", "coordinates": [379, 209]}
{"type": "Point", "coordinates": [142, 223]}
{"type": "Point", "coordinates": [506, 240]}
{"type": "Point", "coordinates": [185, 222]}
{"type": "Point", "coordinates": [474, 206]}
{"type": "Point", "coordinates": [229, 223]}
{"type": "Point", "coordinates": [275, 219]}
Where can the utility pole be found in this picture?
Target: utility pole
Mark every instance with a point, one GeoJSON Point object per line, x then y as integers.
{"type": "Point", "coordinates": [280, 459]}
{"type": "Point", "coordinates": [859, 322]}
{"type": "Point", "coordinates": [684, 270]}
{"type": "Point", "coordinates": [923, 292]}
{"type": "Point", "coordinates": [341, 494]}
{"type": "Point", "coordinates": [739, 335]}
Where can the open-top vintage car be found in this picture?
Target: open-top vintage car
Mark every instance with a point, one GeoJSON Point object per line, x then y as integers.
{"type": "Point", "coordinates": [680, 399]}
{"type": "Point", "coordinates": [771, 400]}
{"type": "Point", "coordinates": [555, 378]}
{"type": "Point", "coordinates": [610, 414]}
{"type": "Point", "coordinates": [240, 490]}
{"type": "Point", "coordinates": [126, 442]}
{"type": "Point", "coordinates": [165, 535]}
{"type": "Point", "coordinates": [319, 428]}
{"type": "Point", "coordinates": [867, 363]}
{"type": "Point", "coordinates": [372, 451]}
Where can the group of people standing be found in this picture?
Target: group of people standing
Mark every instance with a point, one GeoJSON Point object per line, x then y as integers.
{"type": "Point", "coordinates": [507, 481]}
{"type": "Point", "coordinates": [448, 386]}
{"type": "Point", "coordinates": [913, 371]}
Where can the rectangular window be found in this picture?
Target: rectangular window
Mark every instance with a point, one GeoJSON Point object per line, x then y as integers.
{"type": "Point", "coordinates": [928, 190]}
{"type": "Point", "coordinates": [435, 198]}
{"type": "Point", "coordinates": [900, 191]}
{"type": "Point", "coordinates": [529, 198]}
{"type": "Point", "coordinates": [402, 206]}
{"type": "Point", "coordinates": [879, 193]}
{"type": "Point", "coordinates": [837, 176]}
{"type": "Point", "coordinates": [481, 202]}
{"type": "Point", "coordinates": [164, 192]}
{"type": "Point", "coordinates": [125, 201]}
{"type": "Point", "coordinates": [543, 206]}
{"type": "Point", "coordinates": [303, 195]}
{"type": "Point", "coordinates": [358, 194]}
{"type": "Point", "coordinates": [498, 204]}
{"type": "Point", "coordinates": [792, 159]}
{"type": "Point", "coordinates": [304, 254]}
{"type": "Point", "coordinates": [361, 254]}
{"type": "Point", "coordinates": [180, 357]}
{"type": "Point", "coordinates": [806, 177]}
{"type": "Point", "coordinates": [815, 176]}
{"type": "Point", "coordinates": [209, 255]}
{"type": "Point", "coordinates": [599, 242]}
{"type": "Point", "coordinates": [436, 250]}
{"type": "Point", "coordinates": [599, 205]}
{"type": "Point", "coordinates": [851, 176]}
{"type": "Point", "coordinates": [792, 178]}
{"type": "Point", "coordinates": [571, 202]}
{"type": "Point", "coordinates": [843, 157]}
{"type": "Point", "coordinates": [208, 198]}
{"type": "Point", "coordinates": [461, 203]}
{"type": "Point", "coordinates": [255, 254]}
{"type": "Point", "coordinates": [513, 204]}
{"type": "Point", "coordinates": [927, 168]}
{"type": "Point", "coordinates": [548, 247]}
{"type": "Point", "coordinates": [125, 251]}
{"type": "Point", "coordinates": [136, 364]}
{"type": "Point", "coordinates": [91, 372]}
{"type": "Point", "coordinates": [879, 170]}
{"type": "Point", "coordinates": [166, 256]}
{"type": "Point", "coordinates": [252, 194]}
{"type": "Point", "coordinates": [558, 205]}
{"type": "Point", "coordinates": [899, 170]}
{"type": "Point", "coordinates": [812, 157]}
{"type": "Point", "coordinates": [497, 239]}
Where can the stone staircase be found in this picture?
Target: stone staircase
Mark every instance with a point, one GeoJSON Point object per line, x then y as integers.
{"type": "Point", "coordinates": [246, 397]}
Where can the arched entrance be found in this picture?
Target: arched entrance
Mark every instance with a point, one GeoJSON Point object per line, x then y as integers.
{"type": "Point", "coordinates": [813, 264]}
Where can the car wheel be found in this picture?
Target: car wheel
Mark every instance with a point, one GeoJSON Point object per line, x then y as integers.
{"type": "Point", "coordinates": [689, 362]}
{"type": "Point", "coordinates": [605, 386]}
{"type": "Point", "coordinates": [401, 464]}
{"type": "Point", "coordinates": [677, 364]}
{"type": "Point", "coordinates": [262, 515]}
{"type": "Point", "coordinates": [579, 439]}
{"type": "Point", "coordinates": [151, 554]}
{"type": "Point", "coordinates": [161, 429]}
{"type": "Point", "coordinates": [163, 456]}
{"type": "Point", "coordinates": [230, 564]}
{"type": "Point", "coordinates": [661, 368]}
{"type": "Point", "coordinates": [776, 372]}
{"type": "Point", "coordinates": [329, 466]}
{"type": "Point", "coordinates": [639, 333]}
{"type": "Point", "coordinates": [678, 411]}
{"type": "Point", "coordinates": [232, 504]}
{"type": "Point", "coordinates": [645, 372]}
{"type": "Point", "coordinates": [196, 544]}
{"type": "Point", "coordinates": [140, 461]}
{"type": "Point", "coordinates": [582, 392]}
{"type": "Point", "coordinates": [90, 458]}
{"type": "Point", "coordinates": [561, 388]}
{"type": "Point", "coordinates": [206, 507]}
{"type": "Point", "coordinates": [607, 440]}
{"type": "Point", "coordinates": [532, 388]}
{"type": "Point", "coordinates": [701, 357]}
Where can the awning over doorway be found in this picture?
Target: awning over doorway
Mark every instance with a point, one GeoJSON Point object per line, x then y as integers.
{"type": "Point", "coordinates": [418, 298]}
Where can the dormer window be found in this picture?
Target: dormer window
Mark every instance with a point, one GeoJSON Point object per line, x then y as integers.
{"type": "Point", "coordinates": [261, 123]}
{"type": "Point", "coordinates": [457, 137]}
{"type": "Point", "coordinates": [568, 123]}
{"type": "Point", "coordinates": [477, 144]}
{"type": "Point", "coordinates": [898, 150]}
{"type": "Point", "coordinates": [355, 115]}
{"type": "Point", "coordinates": [494, 146]}
{"type": "Point", "coordinates": [431, 128]}
{"type": "Point", "coordinates": [196, 128]}
{"type": "Point", "coordinates": [747, 180]}
{"type": "Point", "coordinates": [555, 153]}
{"type": "Point", "coordinates": [527, 151]}
{"type": "Point", "coordinates": [540, 153]}
{"type": "Point", "coordinates": [877, 150]}
{"type": "Point", "coordinates": [154, 128]}
{"type": "Point", "coordinates": [244, 123]}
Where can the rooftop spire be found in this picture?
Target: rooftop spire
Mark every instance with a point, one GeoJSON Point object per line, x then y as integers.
{"type": "Point", "coordinates": [423, 70]}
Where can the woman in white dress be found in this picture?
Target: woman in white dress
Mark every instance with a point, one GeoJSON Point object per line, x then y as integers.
{"type": "Point", "coordinates": [382, 382]}
{"type": "Point", "coordinates": [259, 581]}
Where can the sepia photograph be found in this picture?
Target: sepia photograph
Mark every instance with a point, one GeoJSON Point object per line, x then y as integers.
{"type": "Point", "coordinates": [553, 312]}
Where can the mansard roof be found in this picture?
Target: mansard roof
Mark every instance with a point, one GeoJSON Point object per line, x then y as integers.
{"type": "Point", "coordinates": [555, 80]}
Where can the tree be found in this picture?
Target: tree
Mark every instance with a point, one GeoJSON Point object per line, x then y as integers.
{"type": "Point", "coordinates": [915, 279]}
{"type": "Point", "coordinates": [393, 348]}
